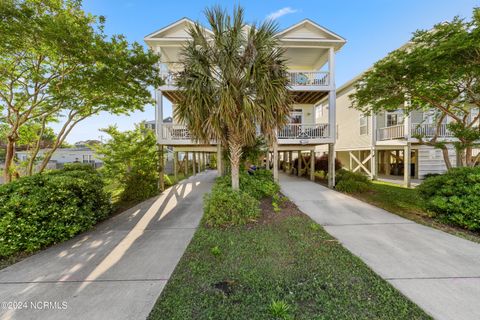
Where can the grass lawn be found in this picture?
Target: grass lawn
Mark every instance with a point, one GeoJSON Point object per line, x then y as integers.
{"type": "Point", "coordinates": [408, 204]}
{"type": "Point", "coordinates": [283, 267]}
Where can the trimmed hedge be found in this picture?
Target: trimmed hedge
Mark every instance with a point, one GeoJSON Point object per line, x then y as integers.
{"type": "Point", "coordinates": [44, 209]}
{"type": "Point", "coordinates": [454, 197]}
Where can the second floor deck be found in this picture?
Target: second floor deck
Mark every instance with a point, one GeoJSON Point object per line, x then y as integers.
{"type": "Point", "coordinates": [415, 130]}
{"type": "Point", "coordinates": [290, 134]}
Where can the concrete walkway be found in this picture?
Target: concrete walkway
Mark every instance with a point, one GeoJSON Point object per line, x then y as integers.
{"type": "Point", "coordinates": [438, 271]}
{"type": "Point", "coordinates": [116, 271]}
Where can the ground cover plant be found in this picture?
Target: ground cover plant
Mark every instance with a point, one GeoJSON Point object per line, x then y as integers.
{"type": "Point", "coordinates": [283, 266]}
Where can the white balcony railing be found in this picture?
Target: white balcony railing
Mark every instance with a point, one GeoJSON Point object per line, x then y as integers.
{"type": "Point", "coordinates": [297, 78]}
{"type": "Point", "coordinates": [308, 78]}
{"type": "Point", "coordinates": [393, 132]}
{"type": "Point", "coordinates": [168, 77]}
{"type": "Point", "coordinates": [429, 130]}
{"type": "Point", "coordinates": [304, 131]}
{"type": "Point", "coordinates": [172, 131]}
{"type": "Point", "coordinates": [293, 131]}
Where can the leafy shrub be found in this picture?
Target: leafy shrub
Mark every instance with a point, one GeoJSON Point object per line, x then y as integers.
{"type": "Point", "coordinates": [225, 207]}
{"type": "Point", "coordinates": [43, 209]}
{"type": "Point", "coordinates": [259, 185]}
{"type": "Point", "coordinates": [429, 175]}
{"type": "Point", "coordinates": [454, 197]}
{"type": "Point", "coordinates": [351, 182]}
{"type": "Point", "coordinates": [321, 164]}
{"type": "Point", "coordinates": [139, 186]}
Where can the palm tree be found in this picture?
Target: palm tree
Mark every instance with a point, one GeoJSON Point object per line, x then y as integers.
{"type": "Point", "coordinates": [234, 81]}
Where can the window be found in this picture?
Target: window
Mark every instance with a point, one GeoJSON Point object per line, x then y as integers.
{"type": "Point", "coordinates": [87, 158]}
{"type": "Point", "coordinates": [296, 116]}
{"type": "Point", "coordinates": [363, 124]}
{"type": "Point", "coordinates": [394, 118]}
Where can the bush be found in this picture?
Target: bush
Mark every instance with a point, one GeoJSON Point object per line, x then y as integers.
{"type": "Point", "coordinates": [454, 197]}
{"type": "Point", "coordinates": [44, 209]}
{"type": "Point", "coordinates": [259, 185]}
{"type": "Point", "coordinates": [224, 207]}
{"type": "Point", "coordinates": [351, 182]}
{"type": "Point", "coordinates": [139, 186]}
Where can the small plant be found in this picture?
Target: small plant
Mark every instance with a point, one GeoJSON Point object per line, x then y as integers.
{"type": "Point", "coordinates": [216, 251]}
{"type": "Point", "coordinates": [280, 309]}
{"type": "Point", "coordinates": [276, 200]}
{"type": "Point", "coordinates": [314, 226]}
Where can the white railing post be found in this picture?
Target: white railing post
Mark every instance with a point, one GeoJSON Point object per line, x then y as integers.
{"type": "Point", "coordinates": [159, 113]}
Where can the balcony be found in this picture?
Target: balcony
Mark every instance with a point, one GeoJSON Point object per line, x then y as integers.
{"type": "Point", "coordinates": [390, 133]}
{"type": "Point", "coordinates": [426, 130]}
{"type": "Point", "coordinates": [429, 130]}
{"type": "Point", "coordinates": [178, 134]}
{"type": "Point", "coordinates": [305, 80]}
{"type": "Point", "coordinates": [299, 80]}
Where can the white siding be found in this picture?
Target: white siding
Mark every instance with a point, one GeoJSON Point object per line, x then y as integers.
{"type": "Point", "coordinates": [430, 160]}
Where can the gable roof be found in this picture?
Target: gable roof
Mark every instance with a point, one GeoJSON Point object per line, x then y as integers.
{"type": "Point", "coordinates": [185, 21]}
{"type": "Point", "coordinates": [307, 22]}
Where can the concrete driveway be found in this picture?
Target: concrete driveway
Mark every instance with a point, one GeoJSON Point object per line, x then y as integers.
{"type": "Point", "coordinates": [438, 271]}
{"type": "Point", "coordinates": [116, 271]}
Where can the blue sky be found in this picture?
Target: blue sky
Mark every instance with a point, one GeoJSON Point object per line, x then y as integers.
{"type": "Point", "coordinates": [372, 29]}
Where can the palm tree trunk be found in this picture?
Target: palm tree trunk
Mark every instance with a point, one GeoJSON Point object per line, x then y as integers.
{"type": "Point", "coordinates": [235, 155]}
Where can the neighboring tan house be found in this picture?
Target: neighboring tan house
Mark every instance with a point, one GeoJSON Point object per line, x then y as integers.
{"type": "Point", "coordinates": [310, 51]}
{"type": "Point", "coordinates": [380, 145]}
{"type": "Point", "coordinates": [66, 155]}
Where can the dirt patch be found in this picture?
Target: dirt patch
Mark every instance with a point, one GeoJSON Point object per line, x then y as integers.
{"type": "Point", "coordinates": [269, 215]}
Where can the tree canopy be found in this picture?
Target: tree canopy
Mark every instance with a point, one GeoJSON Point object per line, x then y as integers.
{"type": "Point", "coordinates": [56, 63]}
{"type": "Point", "coordinates": [234, 82]}
{"type": "Point", "coordinates": [437, 70]}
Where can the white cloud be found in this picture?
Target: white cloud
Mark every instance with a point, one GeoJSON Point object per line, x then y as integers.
{"type": "Point", "coordinates": [279, 13]}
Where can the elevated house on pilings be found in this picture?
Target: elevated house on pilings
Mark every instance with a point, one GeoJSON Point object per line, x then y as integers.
{"type": "Point", "coordinates": [386, 145]}
{"type": "Point", "coordinates": [310, 51]}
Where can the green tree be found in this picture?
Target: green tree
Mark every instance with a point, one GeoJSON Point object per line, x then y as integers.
{"type": "Point", "coordinates": [439, 71]}
{"type": "Point", "coordinates": [57, 63]}
{"type": "Point", "coordinates": [233, 81]}
{"type": "Point", "coordinates": [130, 159]}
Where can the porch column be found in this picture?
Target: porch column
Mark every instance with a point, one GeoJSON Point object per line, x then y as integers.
{"type": "Point", "coordinates": [312, 165]}
{"type": "Point", "coordinates": [290, 162]}
{"type": "Point", "coordinates": [219, 160]}
{"type": "Point", "coordinates": [275, 160]}
{"type": "Point", "coordinates": [175, 165]}
{"type": "Point", "coordinates": [332, 95]}
{"type": "Point", "coordinates": [406, 165]}
{"type": "Point", "coordinates": [161, 169]}
{"type": "Point", "coordinates": [374, 163]}
{"type": "Point", "coordinates": [159, 114]}
{"type": "Point", "coordinates": [194, 163]}
{"type": "Point", "coordinates": [299, 163]}
{"type": "Point", "coordinates": [331, 165]}
{"type": "Point", "coordinates": [186, 164]}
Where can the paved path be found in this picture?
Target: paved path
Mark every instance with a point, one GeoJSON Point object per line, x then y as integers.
{"type": "Point", "coordinates": [118, 270]}
{"type": "Point", "coordinates": [436, 270]}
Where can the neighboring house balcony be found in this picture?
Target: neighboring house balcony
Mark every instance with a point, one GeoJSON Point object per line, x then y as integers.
{"type": "Point", "coordinates": [410, 132]}
{"type": "Point", "coordinates": [290, 134]}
